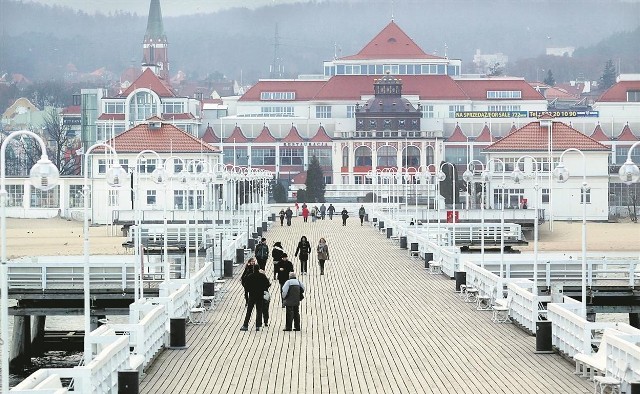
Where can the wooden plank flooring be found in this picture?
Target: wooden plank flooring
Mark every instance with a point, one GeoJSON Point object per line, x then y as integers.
{"type": "Point", "coordinates": [376, 322]}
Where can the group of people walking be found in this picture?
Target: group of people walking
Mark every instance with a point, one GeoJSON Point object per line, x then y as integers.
{"type": "Point", "coordinates": [256, 284]}
{"type": "Point", "coordinates": [318, 213]}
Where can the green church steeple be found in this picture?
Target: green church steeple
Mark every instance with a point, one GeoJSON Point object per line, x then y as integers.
{"type": "Point", "coordinates": [155, 28]}
{"type": "Point", "coordinates": [155, 55]}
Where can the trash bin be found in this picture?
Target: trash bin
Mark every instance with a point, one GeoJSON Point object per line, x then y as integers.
{"type": "Point", "coordinates": [543, 336]}
{"type": "Point", "coordinates": [375, 220]}
{"type": "Point", "coordinates": [272, 217]}
{"type": "Point", "coordinates": [635, 387]}
{"type": "Point", "coordinates": [428, 256]}
{"type": "Point", "coordinates": [228, 268]}
{"type": "Point", "coordinates": [381, 225]}
{"type": "Point", "coordinates": [177, 333]}
{"type": "Point", "coordinates": [128, 382]}
{"type": "Point", "coordinates": [252, 243]}
{"type": "Point", "coordinates": [366, 217]}
{"type": "Point", "coordinates": [389, 232]}
{"type": "Point", "coordinates": [461, 279]}
{"type": "Point", "coordinates": [259, 231]}
{"type": "Point", "coordinates": [414, 248]}
{"type": "Point", "coordinates": [264, 226]}
{"type": "Point", "coordinates": [239, 256]}
{"type": "Point", "coordinates": [403, 242]}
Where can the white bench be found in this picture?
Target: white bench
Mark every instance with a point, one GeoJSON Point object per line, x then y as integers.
{"type": "Point", "coordinates": [501, 308]}
{"type": "Point", "coordinates": [435, 267]}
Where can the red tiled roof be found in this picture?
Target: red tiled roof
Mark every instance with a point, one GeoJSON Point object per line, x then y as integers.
{"type": "Point", "coordinates": [265, 136]}
{"type": "Point", "coordinates": [166, 139]}
{"type": "Point", "coordinates": [304, 90]}
{"type": "Point", "coordinates": [209, 136]}
{"type": "Point", "coordinates": [212, 101]}
{"type": "Point", "coordinates": [71, 110]}
{"type": "Point", "coordinates": [626, 134]}
{"type": "Point", "coordinates": [599, 135]}
{"type": "Point", "coordinates": [618, 92]}
{"type": "Point", "coordinates": [236, 136]}
{"type": "Point", "coordinates": [177, 116]}
{"type": "Point", "coordinates": [150, 81]}
{"type": "Point", "coordinates": [293, 135]}
{"type": "Point", "coordinates": [457, 136]}
{"type": "Point", "coordinates": [534, 138]}
{"type": "Point", "coordinates": [321, 136]}
{"type": "Point", "coordinates": [111, 117]}
{"type": "Point", "coordinates": [476, 89]}
{"type": "Point", "coordinates": [391, 43]}
{"type": "Point", "coordinates": [485, 135]}
{"type": "Point", "coordinates": [300, 178]}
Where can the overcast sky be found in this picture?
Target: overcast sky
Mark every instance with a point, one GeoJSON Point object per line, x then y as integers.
{"type": "Point", "coordinates": [169, 7]}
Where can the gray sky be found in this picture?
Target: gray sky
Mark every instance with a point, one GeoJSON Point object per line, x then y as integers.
{"type": "Point", "coordinates": [169, 7]}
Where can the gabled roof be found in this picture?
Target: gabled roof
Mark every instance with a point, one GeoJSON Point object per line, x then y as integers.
{"type": "Point", "coordinates": [304, 90]}
{"type": "Point", "coordinates": [152, 82]}
{"type": "Point", "coordinates": [391, 43]}
{"type": "Point", "coordinates": [236, 136]}
{"type": "Point", "coordinates": [458, 135]}
{"type": "Point", "coordinates": [293, 135]}
{"type": "Point", "coordinates": [533, 137]}
{"type": "Point", "coordinates": [71, 110]}
{"type": "Point", "coordinates": [321, 136]}
{"type": "Point", "coordinates": [618, 92]}
{"type": "Point", "coordinates": [477, 89]}
{"type": "Point", "coordinates": [626, 134]}
{"type": "Point", "coordinates": [265, 135]}
{"type": "Point", "coordinates": [209, 136]}
{"type": "Point", "coordinates": [485, 135]}
{"type": "Point", "coordinates": [165, 139]}
{"type": "Point", "coordinates": [599, 135]}
{"type": "Point", "coordinates": [111, 117]}
{"type": "Point", "coordinates": [177, 116]}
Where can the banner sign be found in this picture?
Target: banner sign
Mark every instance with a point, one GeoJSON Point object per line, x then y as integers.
{"type": "Point", "coordinates": [526, 114]}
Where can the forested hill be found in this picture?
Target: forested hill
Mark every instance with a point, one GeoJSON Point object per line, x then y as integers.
{"type": "Point", "coordinates": [39, 41]}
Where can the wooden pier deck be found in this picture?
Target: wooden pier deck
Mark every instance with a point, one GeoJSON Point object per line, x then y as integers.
{"type": "Point", "coordinates": [376, 322]}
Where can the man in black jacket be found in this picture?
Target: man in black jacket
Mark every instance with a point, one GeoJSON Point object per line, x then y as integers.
{"type": "Point", "coordinates": [262, 253]}
{"type": "Point", "coordinates": [292, 294]}
{"type": "Point", "coordinates": [256, 284]}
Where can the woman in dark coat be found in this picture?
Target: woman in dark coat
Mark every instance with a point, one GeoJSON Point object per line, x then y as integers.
{"type": "Point", "coordinates": [302, 252]}
{"type": "Point", "coordinates": [283, 268]}
{"type": "Point", "coordinates": [276, 254]}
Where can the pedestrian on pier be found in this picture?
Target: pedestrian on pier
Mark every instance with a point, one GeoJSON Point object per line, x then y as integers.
{"type": "Point", "coordinates": [323, 254]}
{"type": "Point", "coordinates": [292, 294]}
{"type": "Point", "coordinates": [305, 213]}
{"type": "Point", "coordinates": [266, 300]}
{"type": "Point", "coordinates": [331, 211]}
{"type": "Point", "coordinates": [289, 214]}
{"type": "Point", "coordinates": [314, 214]}
{"type": "Point", "coordinates": [284, 268]}
{"type": "Point", "coordinates": [276, 254]}
{"type": "Point", "coordinates": [256, 284]}
{"type": "Point", "coordinates": [345, 216]}
{"type": "Point", "coordinates": [361, 213]}
{"type": "Point", "coordinates": [302, 252]}
{"type": "Point", "coordinates": [282, 214]}
{"type": "Point", "coordinates": [249, 267]}
{"type": "Point", "coordinates": [323, 211]}
{"type": "Point", "coordinates": [262, 253]}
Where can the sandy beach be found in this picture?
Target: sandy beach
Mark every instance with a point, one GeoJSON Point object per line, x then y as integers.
{"type": "Point", "coordinates": [28, 237]}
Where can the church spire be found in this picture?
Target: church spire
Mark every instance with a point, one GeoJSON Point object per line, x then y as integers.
{"type": "Point", "coordinates": [155, 43]}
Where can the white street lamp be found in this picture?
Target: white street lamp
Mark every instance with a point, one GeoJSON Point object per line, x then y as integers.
{"type": "Point", "coordinates": [467, 176]}
{"type": "Point", "coordinates": [487, 175]}
{"type": "Point", "coordinates": [561, 174]}
{"type": "Point", "coordinates": [629, 172]}
{"type": "Point", "coordinates": [44, 176]}
{"type": "Point", "coordinates": [116, 177]}
{"type": "Point", "coordinates": [517, 176]}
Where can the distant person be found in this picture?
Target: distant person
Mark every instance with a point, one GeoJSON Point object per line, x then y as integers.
{"type": "Point", "coordinates": [323, 254]}
{"type": "Point", "coordinates": [292, 294]}
{"type": "Point", "coordinates": [305, 213]}
{"type": "Point", "coordinates": [302, 252]}
{"type": "Point", "coordinates": [249, 268]}
{"type": "Point", "coordinates": [524, 205]}
{"type": "Point", "coordinates": [262, 253]}
{"type": "Point", "coordinates": [289, 214]}
{"type": "Point", "coordinates": [285, 267]}
{"type": "Point", "coordinates": [361, 213]}
{"type": "Point", "coordinates": [345, 216]}
{"type": "Point", "coordinates": [297, 208]}
{"type": "Point", "coordinates": [323, 211]}
{"type": "Point", "coordinates": [276, 253]}
{"type": "Point", "coordinates": [330, 211]}
{"type": "Point", "coordinates": [255, 284]}
{"type": "Point", "coordinates": [282, 215]}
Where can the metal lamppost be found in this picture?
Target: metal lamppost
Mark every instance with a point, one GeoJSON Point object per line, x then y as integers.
{"type": "Point", "coordinates": [44, 176]}
{"type": "Point", "coordinates": [517, 176]}
{"type": "Point", "coordinates": [487, 174]}
{"type": "Point", "coordinates": [629, 172]}
{"type": "Point", "coordinates": [468, 176]}
{"type": "Point", "coordinates": [116, 177]}
{"type": "Point", "coordinates": [441, 177]}
{"type": "Point", "coordinates": [561, 174]}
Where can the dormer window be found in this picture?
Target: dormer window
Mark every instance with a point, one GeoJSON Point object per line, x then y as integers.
{"type": "Point", "coordinates": [633, 96]}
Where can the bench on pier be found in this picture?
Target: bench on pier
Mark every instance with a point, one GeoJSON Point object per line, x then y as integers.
{"type": "Point", "coordinates": [435, 267]}
{"type": "Point", "coordinates": [501, 308]}
{"type": "Point", "coordinates": [594, 367]}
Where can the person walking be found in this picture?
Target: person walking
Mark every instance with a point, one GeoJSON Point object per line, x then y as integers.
{"type": "Point", "coordinates": [266, 300]}
{"type": "Point", "coordinates": [323, 254]}
{"type": "Point", "coordinates": [345, 216]}
{"type": "Point", "coordinates": [323, 211]}
{"type": "Point", "coordinates": [314, 214]}
{"type": "Point", "coordinates": [284, 268]}
{"type": "Point", "coordinates": [276, 254]}
{"type": "Point", "coordinates": [297, 209]}
{"type": "Point", "coordinates": [249, 267]}
{"type": "Point", "coordinates": [289, 214]}
{"type": "Point", "coordinates": [361, 213]}
{"type": "Point", "coordinates": [256, 284]}
{"type": "Point", "coordinates": [292, 294]}
{"type": "Point", "coordinates": [281, 217]}
{"type": "Point", "coordinates": [302, 253]}
{"type": "Point", "coordinates": [305, 213]}
{"type": "Point", "coordinates": [262, 253]}
{"type": "Point", "coordinates": [330, 211]}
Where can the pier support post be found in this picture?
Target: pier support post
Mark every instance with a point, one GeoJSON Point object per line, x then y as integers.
{"type": "Point", "coordinates": [21, 345]}
{"type": "Point", "coordinates": [37, 331]}
{"type": "Point", "coordinates": [634, 320]}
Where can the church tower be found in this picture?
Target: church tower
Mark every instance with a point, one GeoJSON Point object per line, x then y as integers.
{"type": "Point", "coordinates": [155, 43]}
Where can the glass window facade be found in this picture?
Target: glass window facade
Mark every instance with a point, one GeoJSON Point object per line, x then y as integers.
{"type": "Point", "coordinates": [323, 154]}
{"type": "Point", "coordinates": [142, 106]}
{"type": "Point", "coordinates": [363, 156]}
{"type": "Point", "coordinates": [291, 156]}
{"type": "Point", "coordinates": [263, 156]}
{"type": "Point", "coordinates": [387, 156]}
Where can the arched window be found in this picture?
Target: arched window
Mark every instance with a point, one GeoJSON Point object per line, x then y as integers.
{"type": "Point", "coordinates": [387, 156]}
{"type": "Point", "coordinates": [411, 157]}
{"type": "Point", "coordinates": [363, 156]}
{"type": "Point", "coordinates": [142, 106]}
{"type": "Point", "coordinates": [345, 156]}
{"type": "Point", "coordinates": [430, 154]}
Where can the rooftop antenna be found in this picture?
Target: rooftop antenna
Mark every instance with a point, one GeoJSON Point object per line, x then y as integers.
{"type": "Point", "coordinates": [275, 66]}
{"type": "Point", "coordinates": [391, 10]}
{"type": "Point", "coordinates": [445, 49]}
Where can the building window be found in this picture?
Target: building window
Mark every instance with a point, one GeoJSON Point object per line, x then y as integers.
{"type": "Point", "coordinates": [291, 156]}
{"type": "Point", "coordinates": [323, 111]}
{"type": "Point", "coordinates": [633, 96]}
{"type": "Point", "coordinates": [585, 196]}
{"type": "Point", "coordinates": [411, 157]}
{"type": "Point", "coordinates": [114, 107]}
{"type": "Point", "coordinates": [357, 179]}
{"type": "Point", "coordinates": [363, 156]}
{"type": "Point", "coordinates": [351, 111]}
{"type": "Point", "coordinates": [504, 108]}
{"type": "Point", "coordinates": [387, 156]}
{"type": "Point", "coordinates": [504, 94]}
{"type": "Point", "coordinates": [142, 106]}
{"type": "Point", "coordinates": [114, 198]}
{"type": "Point", "coordinates": [622, 152]}
{"type": "Point", "coordinates": [179, 199]}
{"type": "Point", "coordinates": [15, 194]}
{"type": "Point", "coordinates": [173, 107]}
{"type": "Point", "coordinates": [323, 155]}
{"type": "Point", "coordinates": [76, 196]}
{"type": "Point", "coordinates": [276, 111]}
{"type": "Point", "coordinates": [455, 108]}
{"type": "Point", "coordinates": [510, 164]}
{"type": "Point", "coordinates": [456, 155]}
{"type": "Point", "coordinates": [427, 111]}
{"type": "Point", "coordinates": [146, 166]}
{"type": "Point", "coordinates": [263, 156]}
{"type": "Point", "coordinates": [345, 157]}
{"type": "Point", "coordinates": [372, 124]}
{"type": "Point", "coordinates": [45, 198]}
{"type": "Point", "coordinates": [621, 194]}
{"type": "Point", "coordinates": [545, 196]}
{"type": "Point", "coordinates": [236, 156]}
{"type": "Point", "coordinates": [512, 197]}
{"type": "Point", "coordinates": [151, 197]}
{"type": "Point", "coordinates": [286, 96]}
{"type": "Point", "coordinates": [430, 154]}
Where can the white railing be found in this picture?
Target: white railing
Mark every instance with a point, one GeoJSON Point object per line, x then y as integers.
{"type": "Point", "coordinates": [623, 359]}
{"type": "Point", "coordinates": [526, 308]}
